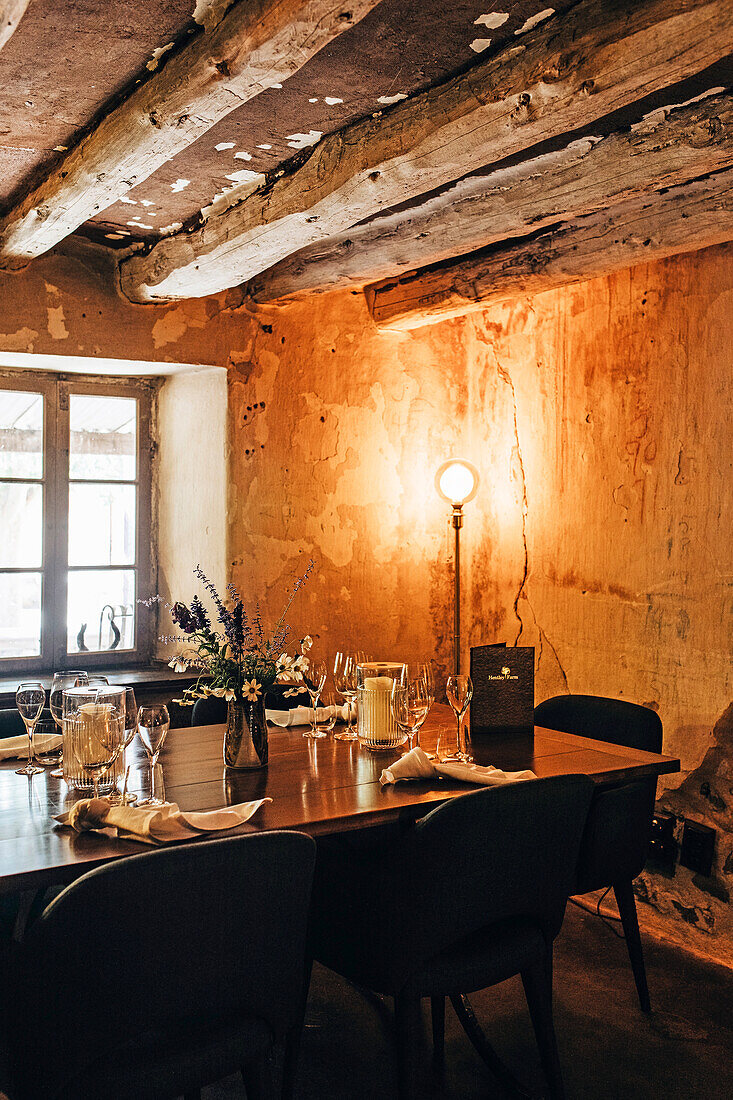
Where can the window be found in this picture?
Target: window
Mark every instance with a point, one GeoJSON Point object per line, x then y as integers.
{"type": "Point", "coordinates": [75, 521]}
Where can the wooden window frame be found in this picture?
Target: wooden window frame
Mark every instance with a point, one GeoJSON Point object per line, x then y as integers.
{"type": "Point", "coordinates": [57, 390]}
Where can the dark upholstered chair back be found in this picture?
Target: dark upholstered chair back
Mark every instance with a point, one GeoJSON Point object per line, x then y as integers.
{"type": "Point", "coordinates": [209, 712]}
{"type": "Point", "coordinates": [213, 930]}
{"type": "Point", "coordinates": [484, 857]}
{"type": "Point", "coordinates": [614, 720]}
{"type": "Point", "coordinates": [617, 834]}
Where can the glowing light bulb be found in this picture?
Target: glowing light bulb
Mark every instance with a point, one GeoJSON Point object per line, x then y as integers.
{"type": "Point", "coordinates": [457, 481]}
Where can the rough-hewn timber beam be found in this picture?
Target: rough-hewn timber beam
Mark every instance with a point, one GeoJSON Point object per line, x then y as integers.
{"type": "Point", "coordinates": [693, 215]}
{"type": "Point", "coordinates": [595, 58]}
{"type": "Point", "coordinates": [666, 148]}
{"type": "Point", "coordinates": [257, 43]}
{"type": "Point", "coordinates": [11, 13]}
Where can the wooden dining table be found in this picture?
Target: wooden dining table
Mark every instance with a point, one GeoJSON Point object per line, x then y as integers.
{"type": "Point", "coordinates": [320, 787]}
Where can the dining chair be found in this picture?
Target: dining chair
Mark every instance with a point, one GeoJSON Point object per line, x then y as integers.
{"type": "Point", "coordinates": [474, 893]}
{"type": "Point", "coordinates": [616, 839]}
{"type": "Point", "coordinates": [159, 973]}
{"type": "Point", "coordinates": [211, 711]}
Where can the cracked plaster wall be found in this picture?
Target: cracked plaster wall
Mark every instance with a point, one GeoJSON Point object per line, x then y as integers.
{"type": "Point", "coordinates": [599, 418]}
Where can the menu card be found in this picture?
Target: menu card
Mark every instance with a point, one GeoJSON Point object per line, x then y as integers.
{"type": "Point", "coordinates": [503, 689]}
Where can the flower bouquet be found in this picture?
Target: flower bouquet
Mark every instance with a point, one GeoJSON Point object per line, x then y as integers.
{"type": "Point", "coordinates": [237, 661]}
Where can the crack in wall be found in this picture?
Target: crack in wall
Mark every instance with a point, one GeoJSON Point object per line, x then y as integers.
{"type": "Point", "coordinates": [504, 375]}
{"type": "Point", "coordinates": [521, 591]}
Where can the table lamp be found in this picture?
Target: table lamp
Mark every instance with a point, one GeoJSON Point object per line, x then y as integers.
{"type": "Point", "coordinates": [457, 483]}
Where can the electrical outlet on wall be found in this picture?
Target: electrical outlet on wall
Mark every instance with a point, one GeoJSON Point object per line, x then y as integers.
{"type": "Point", "coordinates": [663, 846]}
{"type": "Point", "coordinates": [698, 847]}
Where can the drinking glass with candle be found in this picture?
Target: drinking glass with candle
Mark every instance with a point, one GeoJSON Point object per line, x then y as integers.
{"type": "Point", "coordinates": [153, 723]}
{"type": "Point", "coordinates": [29, 699]}
{"type": "Point", "coordinates": [61, 682]}
{"type": "Point", "coordinates": [376, 726]}
{"type": "Point", "coordinates": [97, 730]}
{"type": "Point", "coordinates": [409, 702]}
{"type": "Point", "coordinates": [314, 677]}
{"type": "Point", "coordinates": [344, 677]}
{"type": "Point", "coordinates": [458, 690]}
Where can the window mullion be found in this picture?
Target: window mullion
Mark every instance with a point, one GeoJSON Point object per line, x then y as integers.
{"type": "Point", "coordinates": [60, 518]}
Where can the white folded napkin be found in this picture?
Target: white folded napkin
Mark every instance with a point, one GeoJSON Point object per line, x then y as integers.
{"type": "Point", "coordinates": [16, 748]}
{"type": "Point", "coordinates": [415, 765]}
{"type": "Point", "coordinates": [303, 716]}
{"type": "Point", "coordinates": [155, 824]}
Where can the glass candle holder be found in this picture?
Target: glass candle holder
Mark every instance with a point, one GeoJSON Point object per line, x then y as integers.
{"type": "Point", "coordinates": [376, 727]}
{"type": "Point", "coordinates": [88, 713]}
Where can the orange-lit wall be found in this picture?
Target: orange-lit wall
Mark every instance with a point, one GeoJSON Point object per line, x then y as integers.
{"type": "Point", "coordinates": [599, 417]}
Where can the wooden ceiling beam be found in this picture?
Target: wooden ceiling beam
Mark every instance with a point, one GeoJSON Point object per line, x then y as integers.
{"type": "Point", "coordinates": [645, 228]}
{"type": "Point", "coordinates": [667, 147]}
{"type": "Point", "coordinates": [254, 45]}
{"type": "Point", "coordinates": [592, 60]}
{"type": "Point", "coordinates": [11, 13]}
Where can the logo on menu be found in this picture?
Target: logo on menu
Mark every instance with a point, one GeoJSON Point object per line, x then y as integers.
{"type": "Point", "coordinates": [506, 674]}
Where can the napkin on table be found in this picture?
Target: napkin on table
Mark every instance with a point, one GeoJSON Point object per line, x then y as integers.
{"type": "Point", "coordinates": [415, 765]}
{"type": "Point", "coordinates": [303, 716]}
{"type": "Point", "coordinates": [12, 748]}
{"type": "Point", "coordinates": [155, 824]}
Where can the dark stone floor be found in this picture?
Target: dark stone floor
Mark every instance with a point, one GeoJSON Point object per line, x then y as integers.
{"type": "Point", "coordinates": [609, 1050]}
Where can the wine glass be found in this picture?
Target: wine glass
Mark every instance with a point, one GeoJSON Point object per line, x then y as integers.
{"type": "Point", "coordinates": [421, 670]}
{"type": "Point", "coordinates": [314, 677]}
{"type": "Point", "coordinates": [344, 677]}
{"type": "Point", "coordinates": [153, 723]}
{"type": "Point", "coordinates": [62, 681]}
{"type": "Point", "coordinates": [329, 704]}
{"type": "Point", "coordinates": [97, 735]}
{"type": "Point", "coordinates": [459, 690]}
{"type": "Point", "coordinates": [410, 704]}
{"type": "Point", "coordinates": [29, 699]}
{"type": "Point", "coordinates": [115, 796]}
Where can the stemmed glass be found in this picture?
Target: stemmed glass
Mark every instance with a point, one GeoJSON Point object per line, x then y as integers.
{"type": "Point", "coordinates": [29, 699]}
{"type": "Point", "coordinates": [344, 677]}
{"type": "Point", "coordinates": [61, 682]}
{"type": "Point", "coordinates": [153, 722]}
{"type": "Point", "coordinates": [115, 796]}
{"type": "Point", "coordinates": [459, 690]}
{"type": "Point", "coordinates": [97, 740]}
{"type": "Point", "coordinates": [315, 677]}
{"type": "Point", "coordinates": [410, 704]}
{"type": "Point", "coordinates": [422, 671]}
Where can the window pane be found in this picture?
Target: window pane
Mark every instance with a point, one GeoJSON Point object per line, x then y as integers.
{"type": "Point", "coordinates": [21, 434]}
{"type": "Point", "coordinates": [20, 614]}
{"type": "Point", "coordinates": [103, 441]}
{"type": "Point", "coordinates": [102, 524]}
{"type": "Point", "coordinates": [101, 610]}
{"type": "Point", "coordinates": [21, 523]}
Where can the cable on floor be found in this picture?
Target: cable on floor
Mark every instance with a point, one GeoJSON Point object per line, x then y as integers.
{"type": "Point", "coordinates": [605, 916]}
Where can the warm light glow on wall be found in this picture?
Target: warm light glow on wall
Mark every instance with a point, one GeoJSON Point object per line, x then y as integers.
{"type": "Point", "coordinates": [457, 481]}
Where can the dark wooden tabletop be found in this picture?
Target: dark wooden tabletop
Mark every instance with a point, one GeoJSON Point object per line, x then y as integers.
{"type": "Point", "coordinates": [319, 787]}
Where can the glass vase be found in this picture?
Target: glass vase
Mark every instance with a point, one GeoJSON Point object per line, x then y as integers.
{"type": "Point", "coordinates": [245, 737]}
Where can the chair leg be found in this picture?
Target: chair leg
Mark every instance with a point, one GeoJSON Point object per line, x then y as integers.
{"type": "Point", "coordinates": [626, 902]}
{"type": "Point", "coordinates": [537, 981]}
{"type": "Point", "coordinates": [292, 1041]}
{"type": "Point", "coordinates": [257, 1076]}
{"type": "Point", "coordinates": [407, 1028]}
{"type": "Point", "coordinates": [437, 1015]}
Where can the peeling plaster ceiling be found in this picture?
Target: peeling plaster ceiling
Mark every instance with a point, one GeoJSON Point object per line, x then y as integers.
{"type": "Point", "coordinates": [68, 63]}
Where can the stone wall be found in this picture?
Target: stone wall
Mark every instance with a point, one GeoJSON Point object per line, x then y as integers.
{"type": "Point", "coordinates": [599, 418]}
